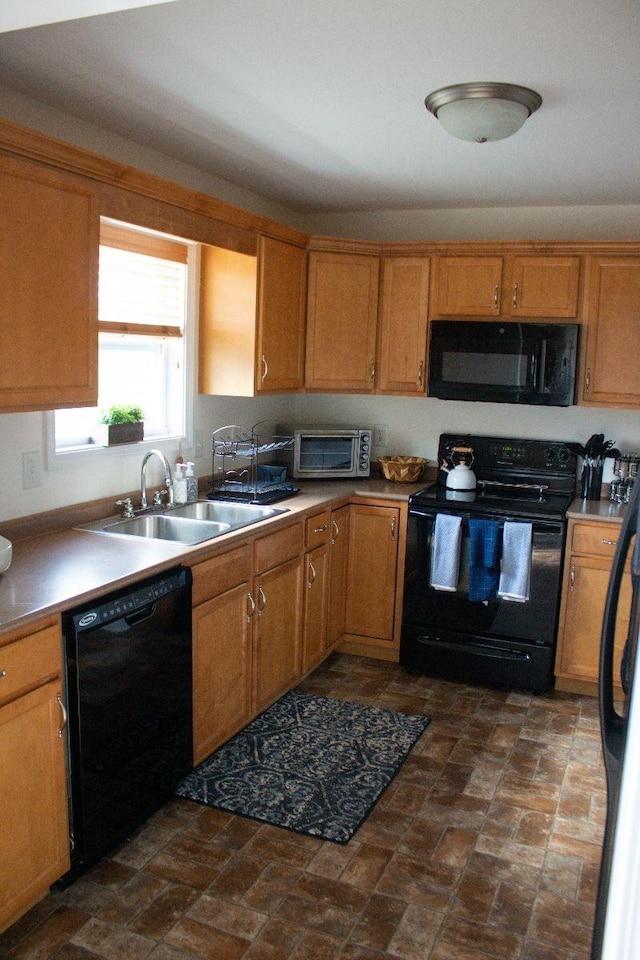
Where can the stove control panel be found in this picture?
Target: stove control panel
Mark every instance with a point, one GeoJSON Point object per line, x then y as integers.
{"type": "Point", "coordinates": [504, 454]}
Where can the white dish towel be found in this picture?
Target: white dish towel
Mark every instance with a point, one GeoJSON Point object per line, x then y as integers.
{"type": "Point", "coordinates": [445, 552]}
{"type": "Point", "coordinates": [515, 574]}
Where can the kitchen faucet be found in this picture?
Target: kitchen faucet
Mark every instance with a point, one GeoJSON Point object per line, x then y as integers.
{"type": "Point", "coordinates": [143, 477]}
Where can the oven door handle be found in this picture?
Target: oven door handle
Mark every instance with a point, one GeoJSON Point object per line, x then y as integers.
{"type": "Point", "coordinates": [479, 649]}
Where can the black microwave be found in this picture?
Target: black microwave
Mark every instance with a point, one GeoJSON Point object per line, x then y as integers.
{"type": "Point", "coordinates": [503, 362]}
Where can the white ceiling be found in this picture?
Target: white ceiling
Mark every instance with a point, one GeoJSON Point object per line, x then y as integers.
{"type": "Point", "coordinates": [319, 104]}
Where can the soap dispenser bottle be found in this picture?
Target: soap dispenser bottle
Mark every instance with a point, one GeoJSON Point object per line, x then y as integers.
{"type": "Point", "coordinates": [180, 484]}
{"type": "Point", "coordinates": [192, 483]}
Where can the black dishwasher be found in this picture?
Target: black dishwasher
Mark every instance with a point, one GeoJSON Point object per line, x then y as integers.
{"type": "Point", "coordinates": [128, 675]}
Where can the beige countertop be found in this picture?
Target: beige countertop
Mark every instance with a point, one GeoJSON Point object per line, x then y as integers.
{"type": "Point", "coordinates": [596, 510]}
{"type": "Point", "coordinates": [55, 571]}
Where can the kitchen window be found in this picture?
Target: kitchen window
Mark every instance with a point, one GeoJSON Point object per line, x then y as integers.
{"type": "Point", "coordinates": [145, 354]}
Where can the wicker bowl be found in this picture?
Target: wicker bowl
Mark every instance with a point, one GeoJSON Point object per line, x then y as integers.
{"type": "Point", "coordinates": [402, 469]}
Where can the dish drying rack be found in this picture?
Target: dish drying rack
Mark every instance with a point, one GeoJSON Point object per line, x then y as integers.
{"type": "Point", "coordinates": [240, 470]}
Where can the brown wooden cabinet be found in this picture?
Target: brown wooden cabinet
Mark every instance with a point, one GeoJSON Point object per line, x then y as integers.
{"type": "Point", "coordinates": [49, 235]}
{"type": "Point", "coordinates": [247, 618]}
{"type": "Point", "coordinates": [34, 829]}
{"type": "Point", "coordinates": [612, 369]}
{"type": "Point", "coordinates": [590, 550]}
{"type": "Point", "coordinates": [277, 618]}
{"type": "Point", "coordinates": [315, 589]}
{"type": "Point", "coordinates": [342, 307]}
{"type": "Point", "coordinates": [403, 319]}
{"type": "Point", "coordinates": [252, 319]}
{"type": "Point", "coordinates": [282, 301]}
{"type": "Point", "coordinates": [374, 536]}
{"type": "Point", "coordinates": [222, 687]}
{"type": "Point", "coordinates": [496, 286]}
{"type": "Point", "coordinates": [337, 602]}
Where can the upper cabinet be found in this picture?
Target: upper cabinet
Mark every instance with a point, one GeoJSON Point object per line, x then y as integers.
{"type": "Point", "coordinates": [518, 286]}
{"type": "Point", "coordinates": [342, 309]}
{"type": "Point", "coordinates": [282, 295]}
{"type": "Point", "coordinates": [403, 318]}
{"type": "Point", "coordinates": [612, 369]}
{"type": "Point", "coordinates": [252, 319]}
{"type": "Point", "coordinates": [49, 236]}
{"type": "Point", "coordinates": [367, 323]}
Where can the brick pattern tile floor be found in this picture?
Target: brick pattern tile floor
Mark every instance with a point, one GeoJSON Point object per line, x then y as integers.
{"type": "Point", "coordinates": [486, 846]}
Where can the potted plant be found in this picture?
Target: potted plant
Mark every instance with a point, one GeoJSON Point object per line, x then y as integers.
{"type": "Point", "coordinates": [123, 424]}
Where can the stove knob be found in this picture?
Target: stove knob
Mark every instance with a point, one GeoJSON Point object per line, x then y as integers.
{"type": "Point", "coordinates": [563, 454]}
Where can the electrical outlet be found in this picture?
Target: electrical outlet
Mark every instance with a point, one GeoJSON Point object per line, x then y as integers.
{"type": "Point", "coordinates": [198, 443]}
{"type": "Point", "coordinates": [379, 436]}
{"type": "Point", "coordinates": [31, 474]}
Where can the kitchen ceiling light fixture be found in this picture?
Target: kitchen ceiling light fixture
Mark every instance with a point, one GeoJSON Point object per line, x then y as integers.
{"type": "Point", "coordinates": [482, 112]}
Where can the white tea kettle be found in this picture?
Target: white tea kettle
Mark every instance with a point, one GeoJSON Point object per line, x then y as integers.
{"type": "Point", "coordinates": [460, 476]}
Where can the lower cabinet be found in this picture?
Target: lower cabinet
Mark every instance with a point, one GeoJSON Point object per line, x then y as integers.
{"type": "Point", "coordinates": [374, 597]}
{"type": "Point", "coordinates": [34, 828]}
{"type": "Point", "coordinates": [246, 634]}
{"type": "Point", "coordinates": [277, 618]}
{"type": "Point", "coordinates": [339, 560]}
{"type": "Point", "coordinates": [316, 589]}
{"type": "Point", "coordinates": [221, 649]}
{"type": "Point", "coordinates": [590, 550]}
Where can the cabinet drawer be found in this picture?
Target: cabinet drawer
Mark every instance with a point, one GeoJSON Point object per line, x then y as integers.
{"type": "Point", "coordinates": [29, 662]}
{"type": "Point", "coordinates": [278, 547]}
{"type": "Point", "coordinates": [316, 529]}
{"type": "Point", "coordinates": [222, 573]}
{"type": "Point", "coordinates": [599, 539]}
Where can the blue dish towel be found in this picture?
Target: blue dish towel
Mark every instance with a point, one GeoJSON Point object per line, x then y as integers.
{"type": "Point", "coordinates": [484, 559]}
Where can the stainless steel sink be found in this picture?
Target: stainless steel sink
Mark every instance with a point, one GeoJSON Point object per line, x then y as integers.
{"type": "Point", "coordinates": [189, 523]}
{"type": "Point", "coordinates": [162, 527]}
{"type": "Point", "coordinates": [235, 514]}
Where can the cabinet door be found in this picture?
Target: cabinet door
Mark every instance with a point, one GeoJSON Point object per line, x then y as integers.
{"type": "Point", "coordinates": [543, 287]}
{"type": "Point", "coordinates": [34, 831]}
{"type": "Point", "coordinates": [371, 586]}
{"type": "Point", "coordinates": [579, 646]}
{"type": "Point", "coordinates": [469, 286]}
{"type": "Point", "coordinates": [336, 615]}
{"type": "Point", "coordinates": [613, 332]}
{"type": "Point", "coordinates": [282, 291]}
{"type": "Point", "coordinates": [221, 669]}
{"type": "Point", "coordinates": [342, 310]}
{"type": "Point", "coordinates": [227, 322]}
{"type": "Point", "coordinates": [49, 235]}
{"type": "Point", "coordinates": [316, 585]}
{"type": "Point", "coordinates": [403, 325]}
{"type": "Point", "coordinates": [277, 630]}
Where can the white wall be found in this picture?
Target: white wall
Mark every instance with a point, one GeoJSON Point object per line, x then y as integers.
{"type": "Point", "coordinates": [413, 424]}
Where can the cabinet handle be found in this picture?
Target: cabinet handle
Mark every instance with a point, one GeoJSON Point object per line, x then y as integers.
{"type": "Point", "coordinates": [587, 381]}
{"type": "Point", "coordinates": [65, 716]}
{"type": "Point", "coordinates": [3, 673]}
{"type": "Point", "coordinates": [515, 296]}
{"type": "Point", "coordinates": [372, 369]}
{"type": "Point", "coordinates": [312, 574]}
{"type": "Point", "coordinates": [393, 528]}
{"type": "Point", "coordinates": [336, 530]}
{"type": "Point", "coordinates": [322, 529]}
{"type": "Point", "coordinates": [265, 368]}
{"type": "Point", "coordinates": [421, 373]}
{"type": "Point", "coordinates": [495, 296]}
{"type": "Point", "coordinates": [262, 600]}
{"type": "Point", "coordinates": [572, 577]}
{"type": "Point", "coordinates": [251, 607]}
{"type": "Point", "coordinates": [610, 543]}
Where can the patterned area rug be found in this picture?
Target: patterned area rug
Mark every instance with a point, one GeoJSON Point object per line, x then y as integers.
{"type": "Point", "coordinates": [311, 764]}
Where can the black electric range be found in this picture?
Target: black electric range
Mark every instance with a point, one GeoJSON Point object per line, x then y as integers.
{"type": "Point", "coordinates": [524, 488]}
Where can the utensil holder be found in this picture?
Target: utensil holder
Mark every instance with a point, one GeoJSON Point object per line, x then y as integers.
{"type": "Point", "coordinates": [591, 480]}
